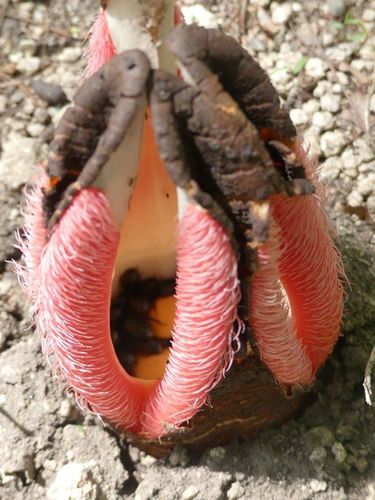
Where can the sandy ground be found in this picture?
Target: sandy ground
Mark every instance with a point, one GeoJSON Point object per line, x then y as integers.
{"type": "Point", "coordinates": [320, 56]}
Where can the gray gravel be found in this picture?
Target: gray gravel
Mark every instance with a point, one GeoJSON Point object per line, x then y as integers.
{"type": "Point", "coordinates": [324, 72]}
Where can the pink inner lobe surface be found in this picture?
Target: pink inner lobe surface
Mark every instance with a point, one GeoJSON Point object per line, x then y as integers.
{"type": "Point", "coordinates": [296, 298]}
{"type": "Point", "coordinates": [75, 288]}
{"type": "Point", "coordinates": [73, 305]}
{"type": "Point", "coordinates": [206, 310]}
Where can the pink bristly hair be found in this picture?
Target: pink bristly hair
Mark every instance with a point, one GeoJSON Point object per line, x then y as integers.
{"type": "Point", "coordinates": [31, 243]}
{"type": "Point", "coordinates": [296, 296]}
{"type": "Point", "coordinates": [70, 283]}
{"type": "Point", "coordinates": [100, 45]}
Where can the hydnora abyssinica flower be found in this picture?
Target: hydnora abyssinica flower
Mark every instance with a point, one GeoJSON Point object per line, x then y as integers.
{"type": "Point", "coordinates": [216, 194]}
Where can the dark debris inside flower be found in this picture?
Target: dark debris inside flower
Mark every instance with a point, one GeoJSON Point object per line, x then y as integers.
{"type": "Point", "coordinates": [131, 317]}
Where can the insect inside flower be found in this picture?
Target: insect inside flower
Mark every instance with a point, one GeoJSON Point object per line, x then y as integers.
{"type": "Point", "coordinates": [157, 247]}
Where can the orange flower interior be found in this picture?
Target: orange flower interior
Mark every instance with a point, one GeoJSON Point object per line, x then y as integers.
{"type": "Point", "coordinates": [148, 244]}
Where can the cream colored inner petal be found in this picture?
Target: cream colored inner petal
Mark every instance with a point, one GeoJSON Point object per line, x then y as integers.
{"type": "Point", "coordinates": [149, 232]}
{"type": "Point", "coordinates": [147, 199]}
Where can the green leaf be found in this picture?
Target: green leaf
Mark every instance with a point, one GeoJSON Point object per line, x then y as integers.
{"type": "Point", "coordinates": [337, 25]}
{"type": "Point", "coordinates": [74, 30]}
{"type": "Point", "coordinates": [81, 429]}
{"type": "Point", "coordinates": [349, 20]}
{"type": "Point", "coordinates": [298, 67]}
{"type": "Point", "coordinates": [356, 37]}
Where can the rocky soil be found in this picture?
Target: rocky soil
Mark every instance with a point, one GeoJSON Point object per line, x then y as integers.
{"type": "Point", "coordinates": [320, 56]}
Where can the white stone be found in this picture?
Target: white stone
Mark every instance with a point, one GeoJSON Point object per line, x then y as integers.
{"type": "Point", "coordinates": [235, 491]}
{"type": "Point", "coordinates": [65, 408]}
{"type": "Point", "coordinates": [134, 453]}
{"type": "Point", "coordinates": [330, 169]}
{"type": "Point", "coordinates": [330, 102]}
{"type": "Point", "coordinates": [296, 7]}
{"type": "Point", "coordinates": [298, 116]}
{"type": "Point", "coordinates": [339, 451]}
{"type": "Point", "coordinates": [28, 106]}
{"type": "Point", "coordinates": [337, 88]}
{"type": "Point", "coordinates": [311, 106]}
{"type": "Point", "coordinates": [267, 61]}
{"type": "Point", "coordinates": [327, 39]}
{"type": "Point", "coordinates": [148, 460]}
{"type": "Point", "coordinates": [256, 43]}
{"type": "Point", "coordinates": [349, 159]}
{"type": "Point", "coordinates": [74, 481]}
{"type": "Point", "coordinates": [316, 68]}
{"type": "Point", "coordinates": [40, 13]}
{"type": "Point", "coordinates": [190, 492]}
{"type": "Point", "coordinates": [354, 199]}
{"type": "Point", "coordinates": [5, 288]}
{"type": "Point", "coordinates": [70, 54]}
{"type": "Point", "coordinates": [280, 12]}
{"type": "Point", "coordinates": [41, 115]}
{"type": "Point", "coordinates": [367, 52]}
{"type": "Point", "coordinates": [14, 125]}
{"type": "Point", "coordinates": [28, 65]}
{"type": "Point", "coordinates": [15, 57]}
{"type": "Point", "coordinates": [261, 3]}
{"type": "Point", "coordinates": [366, 168]}
{"type": "Point", "coordinates": [361, 65]}
{"type": "Point", "coordinates": [351, 172]}
{"type": "Point", "coordinates": [341, 52]}
{"type": "Point", "coordinates": [363, 150]}
{"type": "Point", "coordinates": [265, 22]}
{"type": "Point", "coordinates": [35, 129]}
{"type": "Point", "coordinates": [8, 374]}
{"type": "Point", "coordinates": [322, 88]}
{"type": "Point", "coordinates": [311, 141]}
{"type": "Point", "coordinates": [26, 8]}
{"type": "Point", "coordinates": [336, 7]}
{"type": "Point", "coordinates": [332, 143]}
{"type": "Point", "coordinates": [280, 76]}
{"type": "Point", "coordinates": [18, 160]}
{"type": "Point", "coordinates": [28, 46]}
{"type": "Point", "coordinates": [290, 57]}
{"type": "Point", "coordinates": [366, 185]}
{"type": "Point", "coordinates": [38, 32]}
{"type": "Point", "coordinates": [342, 78]}
{"type": "Point", "coordinates": [217, 453]}
{"type": "Point", "coordinates": [368, 15]}
{"type": "Point", "coordinates": [50, 465]}
{"type": "Point", "coordinates": [318, 486]}
{"type": "Point", "coordinates": [198, 14]}
{"type": "Point", "coordinates": [323, 120]}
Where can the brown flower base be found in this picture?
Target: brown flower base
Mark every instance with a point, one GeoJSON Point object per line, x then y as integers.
{"type": "Point", "coordinates": [245, 402]}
